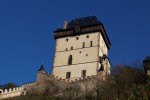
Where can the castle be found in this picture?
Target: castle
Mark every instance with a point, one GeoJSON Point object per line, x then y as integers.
{"type": "Point", "coordinates": [81, 49]}
{"type": "Point", "coordinates": [81, 52]}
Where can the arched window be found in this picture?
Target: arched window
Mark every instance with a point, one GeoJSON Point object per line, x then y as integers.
{"type": "Point", "coordinates": [70, 60]}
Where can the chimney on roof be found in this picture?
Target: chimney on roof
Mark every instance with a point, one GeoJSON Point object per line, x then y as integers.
{"type": "Point", "coordinates": [65, 24]}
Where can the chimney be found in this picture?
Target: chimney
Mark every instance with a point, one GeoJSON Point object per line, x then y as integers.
{"type": "Point", "coordinates": [65, 24]}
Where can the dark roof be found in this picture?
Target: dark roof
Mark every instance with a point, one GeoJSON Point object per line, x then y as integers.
{"type": "Point", "coordinates": [147, 58]}
{"type": "Point", "coordinates": [83, 26]}
{"type": "Point", "coordinates": [83, 22]}
{"type": "Point", "coordinates": [41, 68]}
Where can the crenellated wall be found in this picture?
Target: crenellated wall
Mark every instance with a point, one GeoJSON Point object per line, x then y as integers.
{"type": "Point", "coordinates": [44, 76]}
{"type": "Point", "coordinates": [11, 92]}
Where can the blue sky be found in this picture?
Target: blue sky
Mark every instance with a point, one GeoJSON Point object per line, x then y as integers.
{"type": "Point", "coordinates": [26, 32]}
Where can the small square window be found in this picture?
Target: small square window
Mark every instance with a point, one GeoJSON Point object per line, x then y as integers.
{"type": "Point", "coordinates": [87, 36]}
{"type": "Point", "coordinates": [77, 38]}
{"type": "Point", "coordinates": [67, 39]}
{"type": "Point", "coordinates": [86, 54]}
{"type": "Point", "coordinates": [80, 52]}
{"type": "Point", "coordinates": [71, 48]}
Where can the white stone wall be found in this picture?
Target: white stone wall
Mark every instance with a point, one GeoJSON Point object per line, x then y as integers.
{"type": "Point", "coordinates": [62, 44]}
{"type": "Point", "coordinates": [91, 69]}
{"type": "Point", "coordinates": [86, 58]}
{"type": "Point", "coordinates": [103, 47]}
{"type": "Point", "coordinates": [79, 56]}
{"type": "Point", "coordinates": [11, 92]}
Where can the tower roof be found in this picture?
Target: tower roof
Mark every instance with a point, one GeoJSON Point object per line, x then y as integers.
{"type": "Point", "coordinates": [83, 26]}
{"type": "Point", "coordinates": [147, 58]}
{"type": "Point", "coordinates": [41, 68]}
{"type": "Point", "coordinates": [83, 22]}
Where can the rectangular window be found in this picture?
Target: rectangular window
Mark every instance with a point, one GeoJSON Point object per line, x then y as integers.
{"type": "Point", "coordinates": [91, 43]}
{"type": "Point", "coordinates": [77, 38]}
{"type": "Point", "coordinates": [68, 74]}
{"type": "Point", "coordinates": [83, 74]}
{"type": "Point", "coordinates": [83, 45]}
{"type": "Point", "coordinates": [87, 36]}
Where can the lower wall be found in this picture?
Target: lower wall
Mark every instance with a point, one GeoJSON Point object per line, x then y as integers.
{"type": "Point", "coordinates": [76, 70]}
{"type": "Point", "coordinates": [11, 93]}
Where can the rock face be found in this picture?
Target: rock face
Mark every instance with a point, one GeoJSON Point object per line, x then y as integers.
{"type": "Point", "coordinates": [146, 64]}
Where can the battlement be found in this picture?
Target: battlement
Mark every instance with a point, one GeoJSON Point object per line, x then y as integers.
{"type": "Point", "coordinates": [47, 76]}
{"type": "Point", "coordinates": [27, 84]}
{"type": "Point", "coordinates": [11, 92]}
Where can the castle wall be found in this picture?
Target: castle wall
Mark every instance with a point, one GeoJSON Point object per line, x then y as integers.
{"type": "Point", "coordinates": [84, 51]}
{"type": "Point", "coordinates": [62, 43]}
{"type": "Point", "coordinates": [11, 92]}
{"type": "Point", "coordinates": [79, 56]}
{"type": "Point", "coordinates": [91, 69]}
{"type": "Point", "coordinates": [103, 48]}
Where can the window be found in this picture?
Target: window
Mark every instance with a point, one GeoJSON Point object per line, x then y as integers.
{"type": "Point", "coordinates": [83, 45]}
{"type": "Point", "coordinates": [80, 52]}
{"type": "Point", "coordinates": [83, 73]}
{"type": "Point", "coordinates": [68, 74]}
{"type": "Point", "coordinates": [70, 60]}
{"type": "Point", "coordinates": [66, 49]}
{"type": "Point", "coordinates": [67, 39]}
{"type": "Point", "coordinates": [87, 36]}
{"type": "Point", "coordinates": [77, 38]}
{"type": "Point", "coordinates": [86, 54]}
{"type": "Point", "coordinates": [91, 43]}
{"type": "Point", "coordinates": [71, 48]}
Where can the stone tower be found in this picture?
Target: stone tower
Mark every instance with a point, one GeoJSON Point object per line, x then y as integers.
{"type": "Point", "coordinates": [81, 49]}
{"type": "Point", "coordinates": [146, 64]}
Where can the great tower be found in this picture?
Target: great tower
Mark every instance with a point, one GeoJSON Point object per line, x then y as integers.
{"type": "Point", "coordinates": [81, 49]}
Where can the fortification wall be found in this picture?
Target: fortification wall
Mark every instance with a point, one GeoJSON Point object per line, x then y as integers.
{"type": "Point", "coordinates": [44, 76]}
{"type": "Point", "coordinates": [11, 92]}
{"type": "Point", "coordinates": [45, 80]}
{"type": "Point", "coordinates": [54, 83]}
